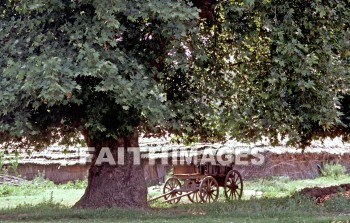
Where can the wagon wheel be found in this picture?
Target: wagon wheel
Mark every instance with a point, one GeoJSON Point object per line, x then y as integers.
{"type": "Point", "coordinates": [172, 184]}
{"type": "Point", "coordinates": [194, 197]}
{"type": "Point", "coordinates": [233, 185]}
{"type": "Point", "coordinates": [209, 190]}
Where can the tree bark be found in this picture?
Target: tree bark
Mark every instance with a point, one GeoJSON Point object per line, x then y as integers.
{"type": "Point", "coordinates": [122, 186]}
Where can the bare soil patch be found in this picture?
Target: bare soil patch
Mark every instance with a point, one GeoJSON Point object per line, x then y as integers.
{"type": "Point", "coordinates": [321, 194]}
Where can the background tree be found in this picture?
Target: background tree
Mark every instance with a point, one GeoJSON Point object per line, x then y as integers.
{"type": "Point", "coordinates": [112, 69]}
{"type": "Point", "coordinates": [286, 66]}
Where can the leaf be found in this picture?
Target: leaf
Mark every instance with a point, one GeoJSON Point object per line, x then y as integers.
{"type": "Point", "coordinates": [250, 2]}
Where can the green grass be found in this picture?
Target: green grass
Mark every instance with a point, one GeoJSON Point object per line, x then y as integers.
{"type": "Point", "coordinates": [38, 185]}
{"type": "Point", "coordinates": [39, 190]}
{"type": "Point", "coordinates": [45, 202]}
{"type": "Point", "coordinates": [254, 210]}
{"type": "Point", "coordinates": [67, 197]}
{"type": "Point", "coordinates": [283, 186]}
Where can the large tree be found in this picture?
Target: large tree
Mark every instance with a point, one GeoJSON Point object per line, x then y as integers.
{"type": "Point", "coordinates": [202, 70]}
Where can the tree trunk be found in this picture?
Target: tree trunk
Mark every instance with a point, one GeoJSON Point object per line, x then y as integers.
{"type": "Point", "coordinates": [115, 185]}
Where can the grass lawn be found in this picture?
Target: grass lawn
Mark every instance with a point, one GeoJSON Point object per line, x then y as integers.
{"type": "Point", "coordinates": [67, 197]}
{"type": "Point", "coordinates": [46, 202]}
{"type": "Point", "coordinates": [260, 210]}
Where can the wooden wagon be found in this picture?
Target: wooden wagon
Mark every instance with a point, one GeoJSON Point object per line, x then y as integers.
{"type": "Point", "coordinates": [200, 183]}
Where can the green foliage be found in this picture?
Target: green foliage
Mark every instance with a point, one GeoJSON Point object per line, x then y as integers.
{"type": "Point", "coordinates": [91, 65]}
{"type": "Point", "coordinates": [14, 162]}
{"type": "Point", "coordinates": [245, 68]}
{"type": "Point", "coordinates": [332, 170]}
{"type": "Point", "coordinates": [7, 190]}
{"type": "Point", "coordinates": [286, 65]}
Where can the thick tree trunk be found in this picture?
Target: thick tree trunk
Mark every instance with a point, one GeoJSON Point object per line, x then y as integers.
{"type": "Point", "coordinates": [115, 185]}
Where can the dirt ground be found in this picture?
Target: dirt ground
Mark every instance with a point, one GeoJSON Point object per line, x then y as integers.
{"type": "Point", "coordinates": [321, 194]}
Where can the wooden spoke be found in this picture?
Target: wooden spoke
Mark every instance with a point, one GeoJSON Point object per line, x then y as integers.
{"type": "Point", "coordinates": [233, 185]}
{"type": "Point", "coordinates": [194, 197]}
{"type": "Point", "coordinates": [209, 190]}
{"type": "Point", "coordinates": [172, 185]}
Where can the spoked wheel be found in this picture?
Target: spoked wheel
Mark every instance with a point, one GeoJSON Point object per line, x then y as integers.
{"type": "Point", "coordinates": [172, 185]}
{"type": "Point", "coordinates": [194, 197]}
{"type": "Point", "coordinates": [209, 190]}
{"type": "Point", "coordinates": [233, 185]}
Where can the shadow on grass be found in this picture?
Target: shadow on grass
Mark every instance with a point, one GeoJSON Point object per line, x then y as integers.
{"type": "Point", "coordinates": [296, 209]}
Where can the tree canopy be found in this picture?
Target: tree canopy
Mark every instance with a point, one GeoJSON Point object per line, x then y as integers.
{"type": "Point", "coordinates": [289, 66]}
{"type": "Point", "coordinates": [246, 68]}
{"type": "Point", "coordinates": [95, 65]}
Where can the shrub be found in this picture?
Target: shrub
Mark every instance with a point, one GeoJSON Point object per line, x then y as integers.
{"type": "Point", "coordinates": [332, 170]}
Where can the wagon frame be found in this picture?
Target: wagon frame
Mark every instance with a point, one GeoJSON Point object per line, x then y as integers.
{"type": "Point", "coordinates": [201, 183]}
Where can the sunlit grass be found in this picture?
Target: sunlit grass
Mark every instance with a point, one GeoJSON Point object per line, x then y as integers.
{"type": "Point", "coordinates": [48, 202]}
